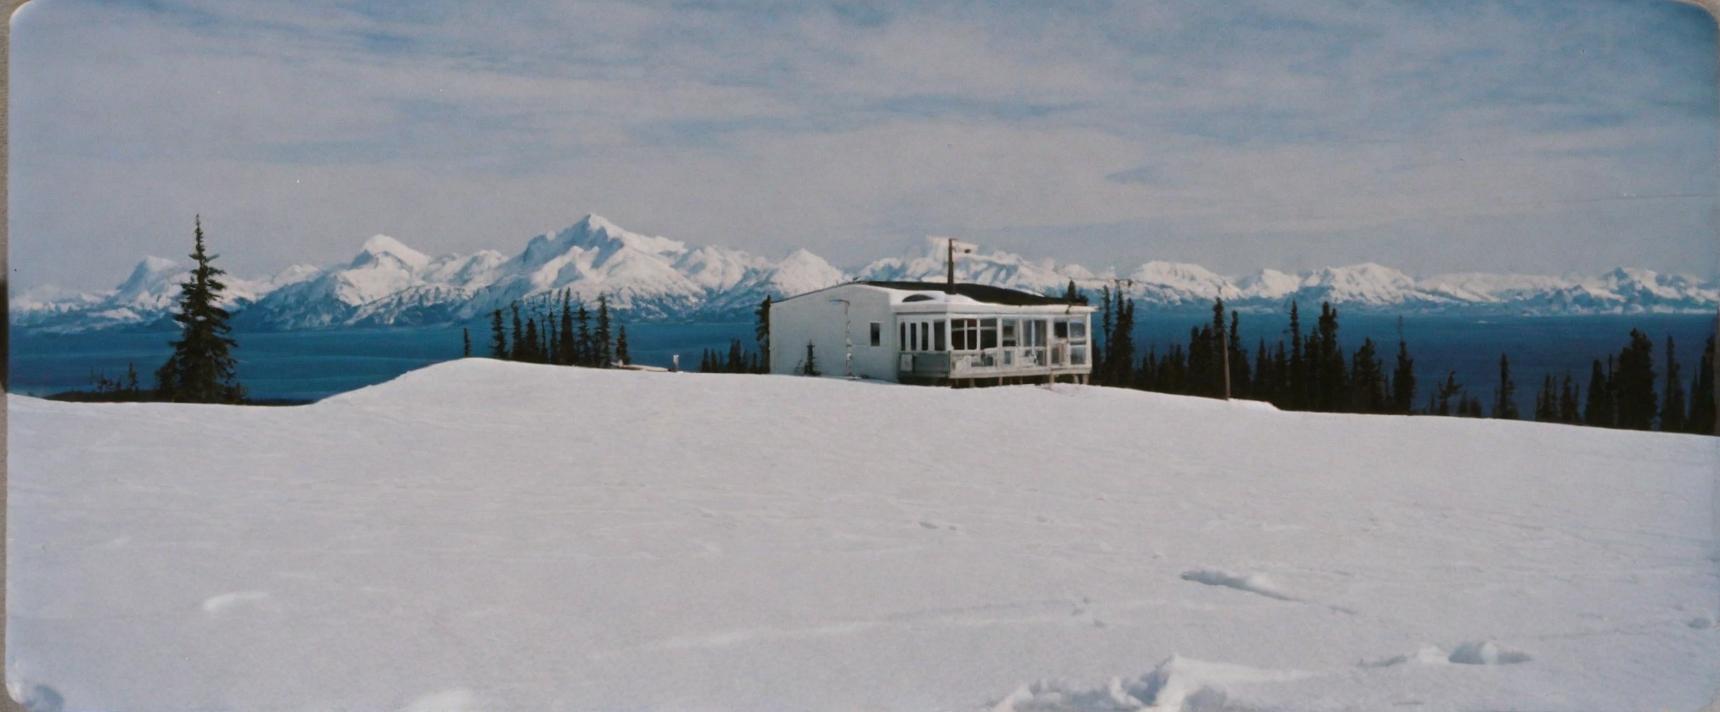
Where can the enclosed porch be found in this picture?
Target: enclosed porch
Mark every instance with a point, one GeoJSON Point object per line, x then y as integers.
{"type": "Point", "coordinates": [985, 349]}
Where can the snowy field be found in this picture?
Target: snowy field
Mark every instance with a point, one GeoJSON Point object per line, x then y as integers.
{"type": "Point", "coordinates": [489, 536]}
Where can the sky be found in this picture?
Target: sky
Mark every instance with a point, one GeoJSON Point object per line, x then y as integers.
{"type": "Point", "coordinates": [1463, 135]}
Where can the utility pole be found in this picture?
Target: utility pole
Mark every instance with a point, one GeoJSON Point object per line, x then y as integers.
{"type": "Point", "coordinates": [950, 263]}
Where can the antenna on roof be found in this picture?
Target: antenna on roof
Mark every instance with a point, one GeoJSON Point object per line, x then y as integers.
{"type": "Point", "coordinates": [955, 246]}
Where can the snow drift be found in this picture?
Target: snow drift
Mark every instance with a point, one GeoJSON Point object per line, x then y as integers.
{"type": "Point", "coordinates": [485, 535]}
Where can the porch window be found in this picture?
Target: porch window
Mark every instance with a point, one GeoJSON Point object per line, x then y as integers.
{"type": "Point", "coordinates": [877, 334]}
{"type": "Point", "coordinates": [1009, 331]}
{"type": "Point", "coordinates": [937, 334]}
{"type": "Point", "coordinates": [902, 336]}
{"type": "Point", "coordinates": [925, 336]}
{"type": "Point", "coordinates": [964, 334]}
{"type": "Point", "coordinates": [988, 333]}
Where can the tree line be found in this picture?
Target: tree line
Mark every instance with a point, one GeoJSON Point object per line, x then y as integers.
{"type": "Point", "coordinates": [555, 329]}
{"type": "Point", "coordinates": [1310, 370]}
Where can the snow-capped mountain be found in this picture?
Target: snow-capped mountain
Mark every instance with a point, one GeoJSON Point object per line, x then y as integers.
{"type": "Point", "coordinates": [651, 278]}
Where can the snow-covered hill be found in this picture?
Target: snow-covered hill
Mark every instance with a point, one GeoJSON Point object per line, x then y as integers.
{"type": "Point", "coordinates": [476, 536]}
{"type": "Point", "coordinates": [657, 278]}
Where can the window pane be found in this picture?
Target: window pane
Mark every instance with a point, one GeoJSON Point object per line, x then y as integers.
{"type": "Point", "coordinates": [925, 336]}
{"type": "Point", "coordinates": [902, 336]}
{"type": "Point", "coordinates": [988, 333]}
{"type": "Point", "coordinates": [1078, 330]}
{"type": "Point", "coordinates": [1061, 329]}
{"type": "Point", "coordinates": [877, 334]}
{"type": "Point", "coordinates": [1009, 332]}
{"type": "Point", "coordinates": [938, 335]}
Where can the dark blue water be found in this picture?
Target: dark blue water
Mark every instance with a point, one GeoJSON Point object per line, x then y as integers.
{"type": "Point", "coordinates": [315, 364]}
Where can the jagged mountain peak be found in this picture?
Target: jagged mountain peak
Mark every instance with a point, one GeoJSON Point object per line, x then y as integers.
{"type": "Point", "coordinates": [382, 249]}
{"type": "Point", "coordinates": [653, 277]}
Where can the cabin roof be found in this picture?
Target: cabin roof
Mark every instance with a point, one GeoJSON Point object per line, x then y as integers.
{"type": "Point", "coordinates": [982, 293]}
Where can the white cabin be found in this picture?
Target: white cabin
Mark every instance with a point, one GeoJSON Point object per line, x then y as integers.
{"type": "Point", "coordinates": [932, 333]}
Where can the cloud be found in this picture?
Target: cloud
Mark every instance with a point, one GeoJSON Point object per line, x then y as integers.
{"type": "Point", "coordinates": [1238, 134]}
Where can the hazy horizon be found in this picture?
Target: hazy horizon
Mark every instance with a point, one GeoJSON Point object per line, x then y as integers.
{"type": "Point", "coordinates": [1480, 135]}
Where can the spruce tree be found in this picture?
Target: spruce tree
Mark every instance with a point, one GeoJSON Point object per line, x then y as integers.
{"type": "Point", "coordinates": [1329, 360]}
{"type": "Point", "coordinates": [529, 350]}
{"type": "Point", "coordinates": [1598, 410]}
{"type": "Point", "coordinates": [1547, 400]}
{"type": "Point", "coordinates": [809, 367]}
{"type": "Point", "coordinates": [601, 349]}
{"type": "Point", "coordinates": [1634, 383]}
{"type": "Point", "coordinates": [1569, 411]}
{"type": "Point", "coordinates": [1445, 395]}
{"type": "Point", "coordinates": [1238, 358]}
{"type": "Point", "coordinates": [498, 338]}
{"type": "Point", "coordinates": [569, 355]}
{"type": "Point", "coordinates": [1672, 412]}
{"type": "Point", "coordinates": [1505, 396]}
{"type": "Point", "coordinates": [1102, 350]}
{"type": "Point", "coordinates": [621, 355]}
{"type": "Point", "coordinates": [585, 352]}
{"type": "Point", "coordinates": [1298, 372]}
{"type": "Point", "coordinates": [1367, 380]}
{"type": "Point", "coordinates": [761, 330]}
{"type": "Point", "coordinates": [519, 335]}
{"type": "Point", "coordinates": [1122, 358]}
{"type": "Point", "coordinates": [465, 343]}
{"type": "Point", "coordinates": [201, 368]}
{"type": "Point", "coordinates": [1403, 380]}
{"type": "Point", "coordinates": [1701, 418]}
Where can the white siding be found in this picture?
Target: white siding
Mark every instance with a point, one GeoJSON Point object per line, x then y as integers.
{"type": "Point", "coordinates": [817, 317]}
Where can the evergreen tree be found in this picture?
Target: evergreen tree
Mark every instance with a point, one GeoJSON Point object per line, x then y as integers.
{"type": "Point", "coordinates": [1238, 358]}
{"type": "Point", "coordinates": [1598, 410]}
{"type": "Point", "coordinates": [1298, 372]}
{"type": "Point", "coordinates": [465, 343]}
{"type": "Point", "coordinates": [498, 339]}
{"type": "Point", "coordinates": [1073, 295]}
{"type": "Point", "coordinates": [737, 360]}
{"type": "Point", "coordinates": [1505, 396]}
{"type": "Point", "coordinates": [131, 387]}
{"type": "Point", "coordinates": [1367, 380]}
{"type": "Point", "coordinates": [1634, 383]}
{"type": "Point", "coordinates": [1122, 346]}
{"type": "Point", "coordinates": [201, 368]}
{"type": "Point", "coordinates": [1470, 407]}
{"type": "Point", "coordinates": [584, 351]}
{"type": "Point", "coordinates": [1701, 418]}
{"type": "Point", "coordinates": [1672, 413]}
{"type": "Point", "coordinates": [809, 367]}
{"type": "Point", "coordinates": [1569, 411]}
{"type": "Point", "coordinates": [519, 336]}
{"type": "Point", "coordinates": [569, 354]}
{"type": "Point", "coordinates": [1102, 353]}
{"type": "Point", "coordinates": [761, 330]}
{"type": "Point", "coordinates": [621, 355]}
{"type": "Point", "coordinates": [529, 345]}
{"type": "Point", "coordinates": [1329, 358]}
{"type": "Point", "coordinates": [1403, 380]}
{"type": "Point", "coordinates": [1443, 398]}
{"type": "Point", "coordinates": [1547, 401]}
{"type": "Point", "coordinates": [602, 353]}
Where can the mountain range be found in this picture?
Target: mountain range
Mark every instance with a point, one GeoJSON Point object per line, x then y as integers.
{"type": "Point", "coordinates": [650, 278]}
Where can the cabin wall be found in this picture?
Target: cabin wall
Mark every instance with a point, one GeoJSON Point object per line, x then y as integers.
{"type": "Point", "coordinates": [818, 319]}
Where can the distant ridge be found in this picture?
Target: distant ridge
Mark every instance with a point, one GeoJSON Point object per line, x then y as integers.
{"type": "Point", "coordinates": [652, 278]}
